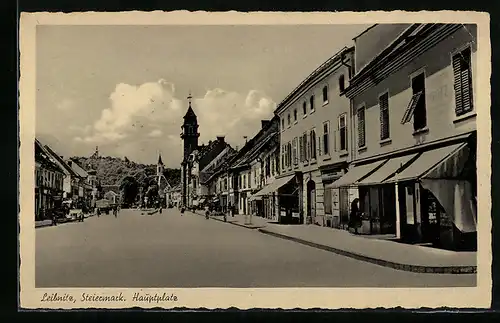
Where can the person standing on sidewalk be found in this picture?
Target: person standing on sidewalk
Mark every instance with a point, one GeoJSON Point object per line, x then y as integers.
{"type": "Point", "coordinates": [355, 216]}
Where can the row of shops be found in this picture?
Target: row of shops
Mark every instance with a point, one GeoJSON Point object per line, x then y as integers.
{"type": "Point", "coordinates": [426, 195]}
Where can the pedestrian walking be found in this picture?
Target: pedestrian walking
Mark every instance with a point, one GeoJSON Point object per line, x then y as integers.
{"type": "Point", "coordinates": [115, 211]}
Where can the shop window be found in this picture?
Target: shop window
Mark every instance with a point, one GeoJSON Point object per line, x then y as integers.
{"type": "Point", "coordinates": [384, 116]}
{"type": "Point", "coordinates": [361, 127]}
{"type": "Point", "coordinates": [462, 73]}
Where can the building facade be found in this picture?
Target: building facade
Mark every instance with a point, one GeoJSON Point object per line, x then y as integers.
{"type": "Point", "coordinates": [314, 138]}
{"type": "Point", "coordinates": [49, 179]}
{"type": "Point", "coordinates": [414, 121]}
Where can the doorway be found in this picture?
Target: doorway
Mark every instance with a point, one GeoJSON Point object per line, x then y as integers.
{"type": "Point", "coordinates": [311, 200]}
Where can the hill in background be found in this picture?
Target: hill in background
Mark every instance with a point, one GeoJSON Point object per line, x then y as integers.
{"type": "Point", "coordinates": [111, 170]}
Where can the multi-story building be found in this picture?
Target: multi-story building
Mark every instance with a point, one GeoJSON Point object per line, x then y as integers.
{"type": "Point", "coordinates": [315, 142]}
{"type": "Point", "coordinates": [414, 121]}
{"type": "Point", "coordinates": [246, 174]}
{"type": "Point", "coordinates": [72, 183]}
{"type": "Point", "coordinates": [86, 185]}
{"type": "Point", "coordinates": [49, 179]}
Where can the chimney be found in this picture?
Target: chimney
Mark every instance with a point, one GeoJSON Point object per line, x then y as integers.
{"type": "Point", "coordinates": [264, 123]}
{"type": "Point", "coordinates": [220, 138]}
{"type": "Point", "coordinates": [70, 163]}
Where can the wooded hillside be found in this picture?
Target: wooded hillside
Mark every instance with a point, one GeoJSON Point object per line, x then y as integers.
{"type": "Point", "coordinates": [111, 170]}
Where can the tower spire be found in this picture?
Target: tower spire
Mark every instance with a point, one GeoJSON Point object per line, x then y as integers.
{"type": "Point", "coordinates": [189, 98]}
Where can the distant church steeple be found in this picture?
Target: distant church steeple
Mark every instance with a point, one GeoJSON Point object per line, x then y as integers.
{"type": "Point", "coordinates": [189, 137]}
{"type": "Point", "coordinates": [189, 129]}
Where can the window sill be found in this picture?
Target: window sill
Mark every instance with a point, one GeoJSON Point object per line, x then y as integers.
{"type": "Point", "coordinates": [313, 162]}
{"type": "Point", "coordinates": [306, 163]}
{"type": "Point", "coordinates": [325, 102]}
{"type": "Point", "coordinates": [312, 111]}
{"type": "Point", "coordinates": [295, 122]}
{"type": "Point", "coordinates": [304, 116]}
{"type": "Point", "coordinates": [422, 131]}
{"type": "Point", "coordinates": [464, 117]}
{"type": "Point", "coordinates": [362, 149]}
{"type": "Point", "coordinates": [327, 157]}
{"type": "Point", "coordinates": [296, 166]}
{"type": "Point", "coordinates": [385, 142]}
{"type": "Point", "coordinates": [288, 127]}
{"type": "Point", "coordinates": [343, 153]}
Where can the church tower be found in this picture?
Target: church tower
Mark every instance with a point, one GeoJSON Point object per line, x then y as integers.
{"type": "Point", "coordinates": [189, 136]}
{"type": "Point", "coordinates": [159, 166]}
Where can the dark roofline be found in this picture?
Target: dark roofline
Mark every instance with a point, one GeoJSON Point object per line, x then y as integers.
{"type": "Point", "coordinates": [61, 161]}
{"type": "Point", "coordinates": [382, 57]}
{"type": "Point", "coordinates": [324, 66]}
{"type": "Point", "coordinates": [365, 31]}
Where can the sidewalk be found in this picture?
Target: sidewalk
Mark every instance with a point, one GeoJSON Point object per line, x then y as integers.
{"type": "Point", "coordinates": [43, 223]}
{"type": "Point", "coordinates": [257, 222]}
{"type": "Point", "coordinates": [382, 252]}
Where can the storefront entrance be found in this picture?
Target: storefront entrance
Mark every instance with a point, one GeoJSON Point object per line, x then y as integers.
{"type": "Point", "coordinates": [311, 200]}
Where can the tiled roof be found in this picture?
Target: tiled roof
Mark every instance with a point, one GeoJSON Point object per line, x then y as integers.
{"type": "Point", "coordinates": [61, 162]}
{"type": "Point", "coordinates": [44, 158]}
{"type": "Point", "coordinates": [77, 168]}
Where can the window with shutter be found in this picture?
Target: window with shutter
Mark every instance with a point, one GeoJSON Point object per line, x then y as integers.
{"type": "Point", "coordinates": [419, 110]}
{"type": "Point", "coordinates": [301, 149]}
{"type": "Point", "coordinates": [462, 73]}
{"type": "Point", "coordinates": [343, 132]}
{"type": "Point", "coordinates": [384, 116]}
{"type": "Point", "coordinates": [361, 127]}
{"type": "Point", "coordinates": [320, 151]}
{"type": "Point", "coordinates": [326, 139]}
{"type": "Point", "coordinates": [295, 158]}
{"type": "Point", "coordinates": [304, 139]}
{"type": "Point", "coordinates": [313, 144]}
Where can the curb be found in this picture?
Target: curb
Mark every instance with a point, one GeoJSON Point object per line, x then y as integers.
{"type": "Point", "coordinates": [43, 225]}
{"type": "Point", "coordinates": [404, 267]}
{"type": "Point", "coordinates": [238, 224]}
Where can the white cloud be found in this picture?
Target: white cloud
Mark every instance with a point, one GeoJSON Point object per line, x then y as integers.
{"type": "Point", "coordinates": [155, 133]}
{"type": "Point", "coordinates": [152, 111]}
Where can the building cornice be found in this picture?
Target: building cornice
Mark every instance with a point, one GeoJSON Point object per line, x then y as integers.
{"type": "Point", "coordinates": [317, 76]}
{"type": "Point", "coordinates": [389, 63]}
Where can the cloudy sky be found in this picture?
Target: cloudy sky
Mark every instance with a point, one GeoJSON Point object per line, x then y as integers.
{"type": "Point", "coordinates": [124, 88]}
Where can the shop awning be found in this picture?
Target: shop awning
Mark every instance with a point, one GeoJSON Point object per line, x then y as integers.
{"type": "Point", "coordinates": [355, 173]}
{"type": "Point", "coordinates": [427, 162]}
{"type": "Point", "coordinates": [386, 170]}
{"type": "Point", "coordinates": [255, 197]}
{"type": "Point", "coordinates": [275, 185]}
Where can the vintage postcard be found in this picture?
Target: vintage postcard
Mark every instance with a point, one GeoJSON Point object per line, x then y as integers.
{"type": "Point", "coordinates": [255, 160]}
